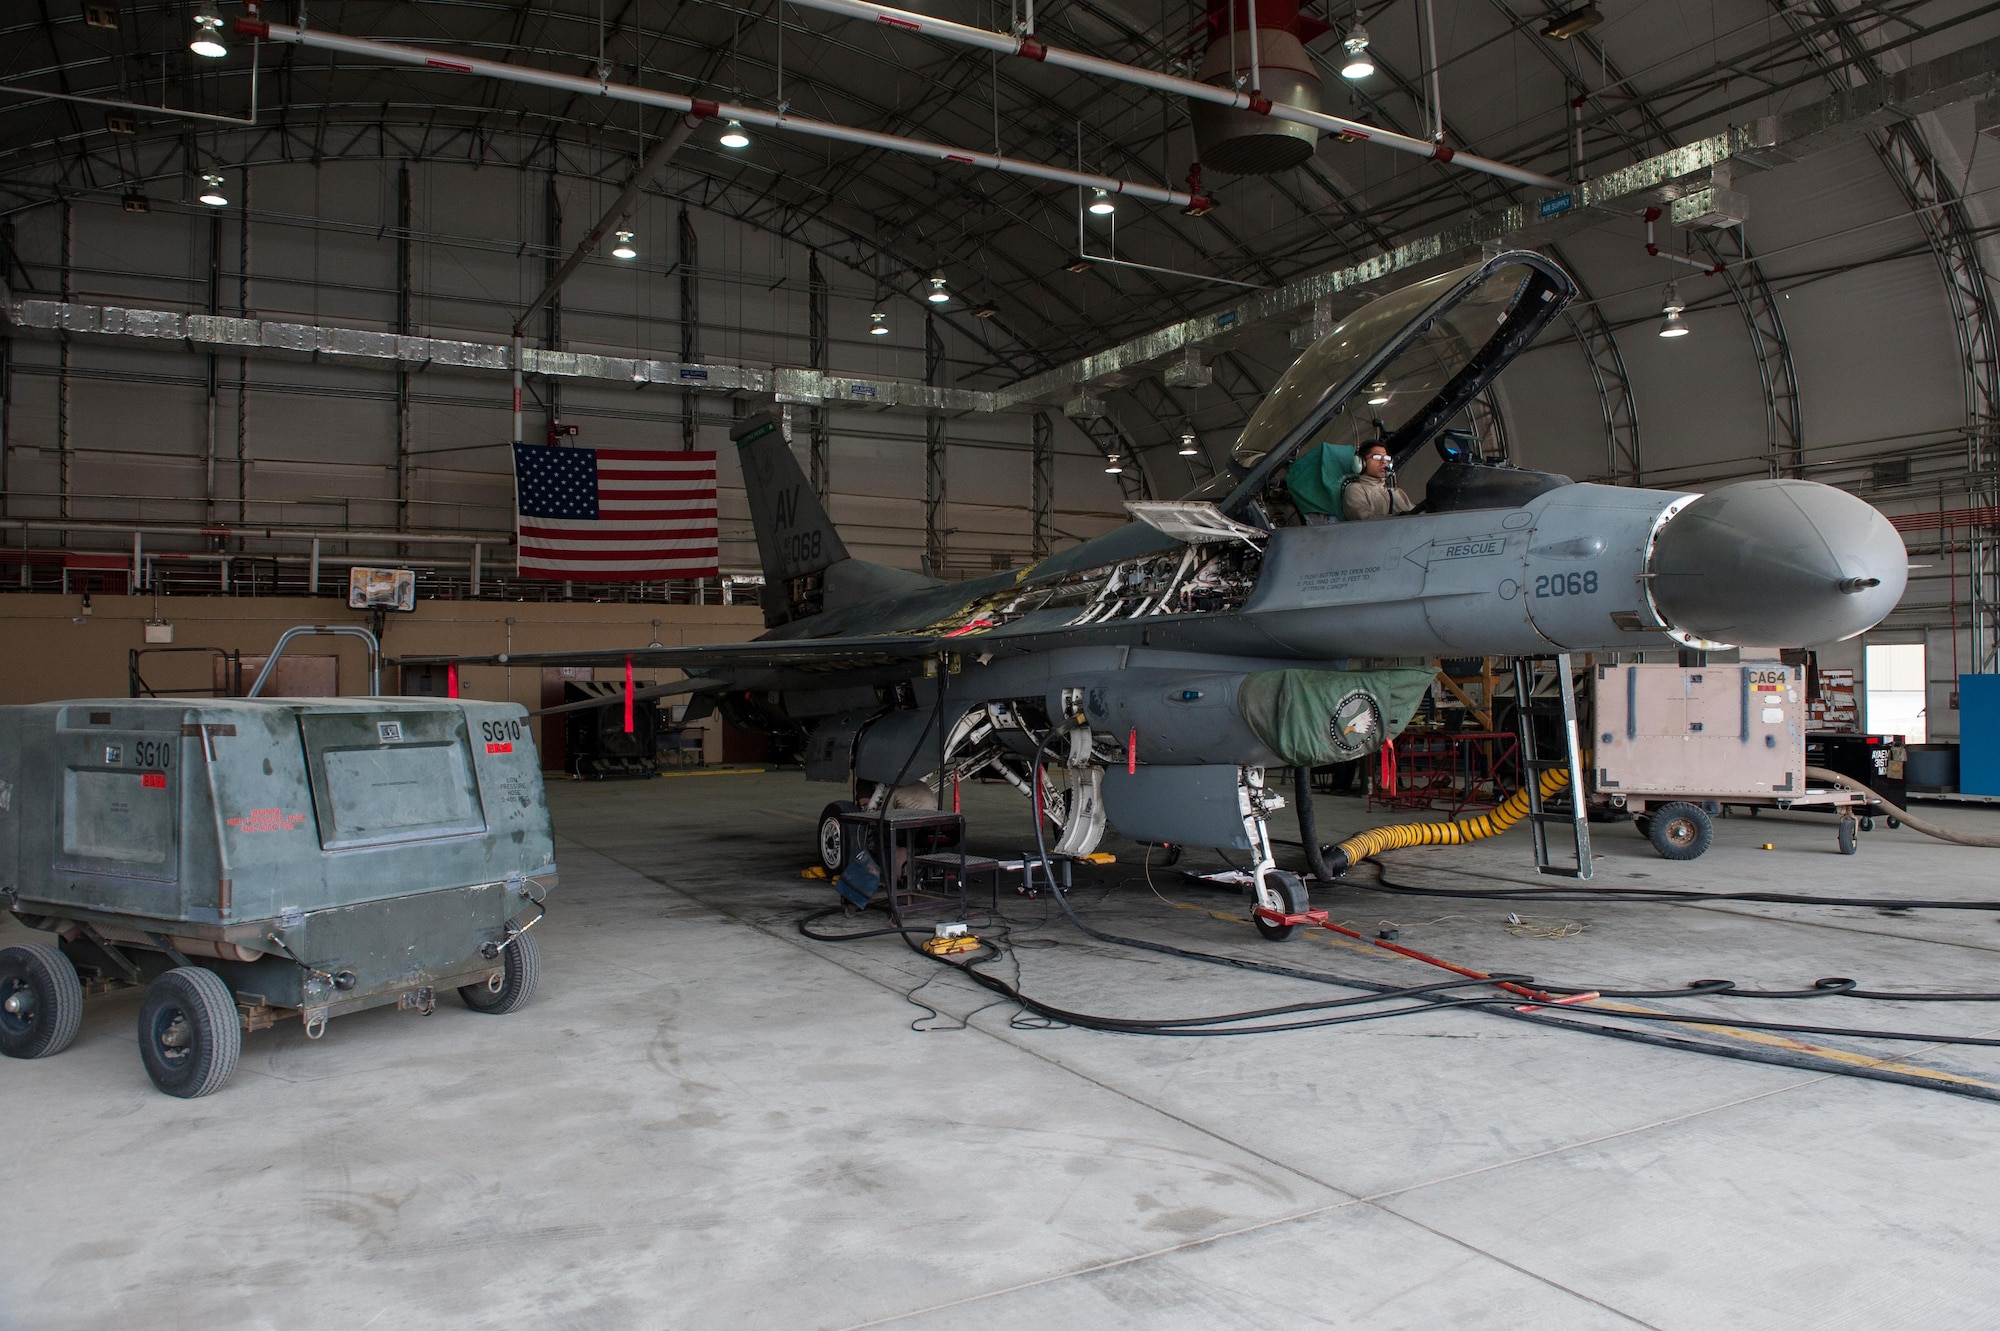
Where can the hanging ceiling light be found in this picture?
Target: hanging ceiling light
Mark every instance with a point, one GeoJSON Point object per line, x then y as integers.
{"type": "Point", "coordinates": [624, 249]}
{"type": "Point", "coordinates": [1190, 446]}
{"type": "Point", "coordinates": [1565, 26]}
{"type": "Point", "coordinates": [208, 32]}
{"type": "Point", "coordinates": [734, 135]}
{"type": "Point", "coordinates": [211, 191]}
{"type": "Point", "coordinates": [937, 294]}
{"type": "Point", "coordinates": [878, 324]}
{"type": "Point", "coordinates": [1111, 464]}
{"type": "Point", "coordinates": [1378, 394]}
{"type": "Point", "coordinates": [1671, 306]}
{"type": "Point", "coordinates": [1100, 203]}
{"type": "Point", "coordinates": [1358, 65]}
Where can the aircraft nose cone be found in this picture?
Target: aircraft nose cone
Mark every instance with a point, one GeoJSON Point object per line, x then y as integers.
{"type": "Point", "coordinates": [1778, 564]}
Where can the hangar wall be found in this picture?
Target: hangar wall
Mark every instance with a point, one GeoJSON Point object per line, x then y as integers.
{"type": "Point", "coordinates": [306, 442]}
{"type": "Point", "coordinates": [145, 436]}
{"type": "Point", "coordinates": [81, 645]}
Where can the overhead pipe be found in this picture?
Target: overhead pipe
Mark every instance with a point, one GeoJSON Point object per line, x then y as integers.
{"type": "Point", "coordinates": [1194, 204]}
{"type": "Point", "coordinates": [1030, 49]}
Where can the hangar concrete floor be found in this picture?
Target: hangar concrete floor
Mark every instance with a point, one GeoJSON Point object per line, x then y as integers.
{"type": "Point", "coordinates": [705, 1120]}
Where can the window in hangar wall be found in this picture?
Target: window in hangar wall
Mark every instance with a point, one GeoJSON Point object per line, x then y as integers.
{"type": "Point", "coordinates": [1895, 690]}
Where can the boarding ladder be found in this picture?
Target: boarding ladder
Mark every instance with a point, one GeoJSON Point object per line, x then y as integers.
{"type": "Point", "coordinates": [1545, 698]}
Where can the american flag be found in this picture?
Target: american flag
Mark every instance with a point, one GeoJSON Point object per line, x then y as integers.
{"type": "Point", "coordinates": [614, 514]}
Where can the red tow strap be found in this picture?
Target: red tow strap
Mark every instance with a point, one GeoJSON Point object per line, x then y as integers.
{"type": "Point", "coordinates": [1319, 918]}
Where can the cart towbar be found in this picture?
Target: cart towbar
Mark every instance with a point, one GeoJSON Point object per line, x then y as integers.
{"type": "Point", "coordinates": [339, 630]}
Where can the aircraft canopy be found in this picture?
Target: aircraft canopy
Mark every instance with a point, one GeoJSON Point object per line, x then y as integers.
{"type": "Point", "coordinates": [1393, 395]}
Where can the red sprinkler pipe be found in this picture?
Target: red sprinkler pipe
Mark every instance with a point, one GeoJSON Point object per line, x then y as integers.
{"type": "Point", "coordinates": [628, 695]}
{"type": "Point", "coordinates": [577, 85]}
{"type": "Point", "coordinates": [1029, 48]}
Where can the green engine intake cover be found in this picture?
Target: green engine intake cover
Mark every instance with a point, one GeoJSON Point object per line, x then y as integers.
{"type": "Point", "coordinates": [1312, 717]}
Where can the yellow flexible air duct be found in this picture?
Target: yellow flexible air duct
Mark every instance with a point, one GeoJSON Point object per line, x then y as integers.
{"type": "Point", "coordinates": [1395, 836]}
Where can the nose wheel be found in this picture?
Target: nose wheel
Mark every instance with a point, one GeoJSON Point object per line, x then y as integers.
{"type": "Point", "coordinates": [1279, 925]}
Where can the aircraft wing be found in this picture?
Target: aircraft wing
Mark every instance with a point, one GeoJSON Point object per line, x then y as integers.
{"type": "Point", "coordinates": [810, 655]}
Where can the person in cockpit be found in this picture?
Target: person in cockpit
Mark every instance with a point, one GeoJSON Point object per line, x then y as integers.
{"type": "Point", "coordinates": [1373, 494]}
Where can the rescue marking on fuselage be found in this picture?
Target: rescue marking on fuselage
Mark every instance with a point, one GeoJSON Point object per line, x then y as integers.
{"type": "Point", "coordinates": [1468, 547]}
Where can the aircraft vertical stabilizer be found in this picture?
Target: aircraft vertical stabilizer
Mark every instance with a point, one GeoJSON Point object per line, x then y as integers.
{"type": "Point", "coordinates": [796, 540]}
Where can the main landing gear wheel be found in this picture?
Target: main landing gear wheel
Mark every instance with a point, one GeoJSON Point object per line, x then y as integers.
{"type": "Point", "coordinates": [1293, 889]}
{"type": "Point", "coordinates": [834, 852]}
{"type": "Point", "coordinates": [520, 971]}
{"type": "Point", "coordinates": [189, 1034]}
{"type": "Point", "coordinates": [41, 1001]}
{"type": "Point", "coordinates": [1680, 831]}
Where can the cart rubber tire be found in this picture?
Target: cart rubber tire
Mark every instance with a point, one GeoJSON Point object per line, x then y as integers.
{"type": "Point", "coordinates": [834, 852]}
{"type": "Point", "coordinates": [520, 972]}
{"type": "Point", "coordinates": [1895, 823]}
{"type": "Point", "coordinates": [1293, 889]}
{"type": "Point", "coordinates": [53, 999]}
{"type": "Point", "coordinates": [1845, 837]}
{"type": "Point", "coordinates": [1867, 824]}
{"type": "Point", "coordinates": [195, 1008]}
{"type": "Point", "coordinates": [1681, 831]}
{"type": "Point", "coordinates": [1644, 822]}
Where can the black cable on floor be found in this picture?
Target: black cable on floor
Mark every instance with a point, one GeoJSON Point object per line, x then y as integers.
{"type": "Point", "coordinates": [1430, 998]}
{"type": "Point", "coordinates": [1862, 1033]}
{"type": "Point", "coordinates": [1513, 1009]}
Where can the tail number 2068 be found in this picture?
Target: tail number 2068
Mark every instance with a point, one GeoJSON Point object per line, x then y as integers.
{"type": "Point", "coordinates": [1566, 584]}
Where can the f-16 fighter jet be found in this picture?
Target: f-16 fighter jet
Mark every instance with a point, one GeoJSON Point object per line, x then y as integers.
{"type": "Point", "coordinates": [1147, 678]}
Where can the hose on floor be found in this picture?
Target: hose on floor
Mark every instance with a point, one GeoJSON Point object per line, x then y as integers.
{"type": "Point", "coordinates": [1902, 816]}
{"type": "Point", "coordinates": [1396, 836]}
